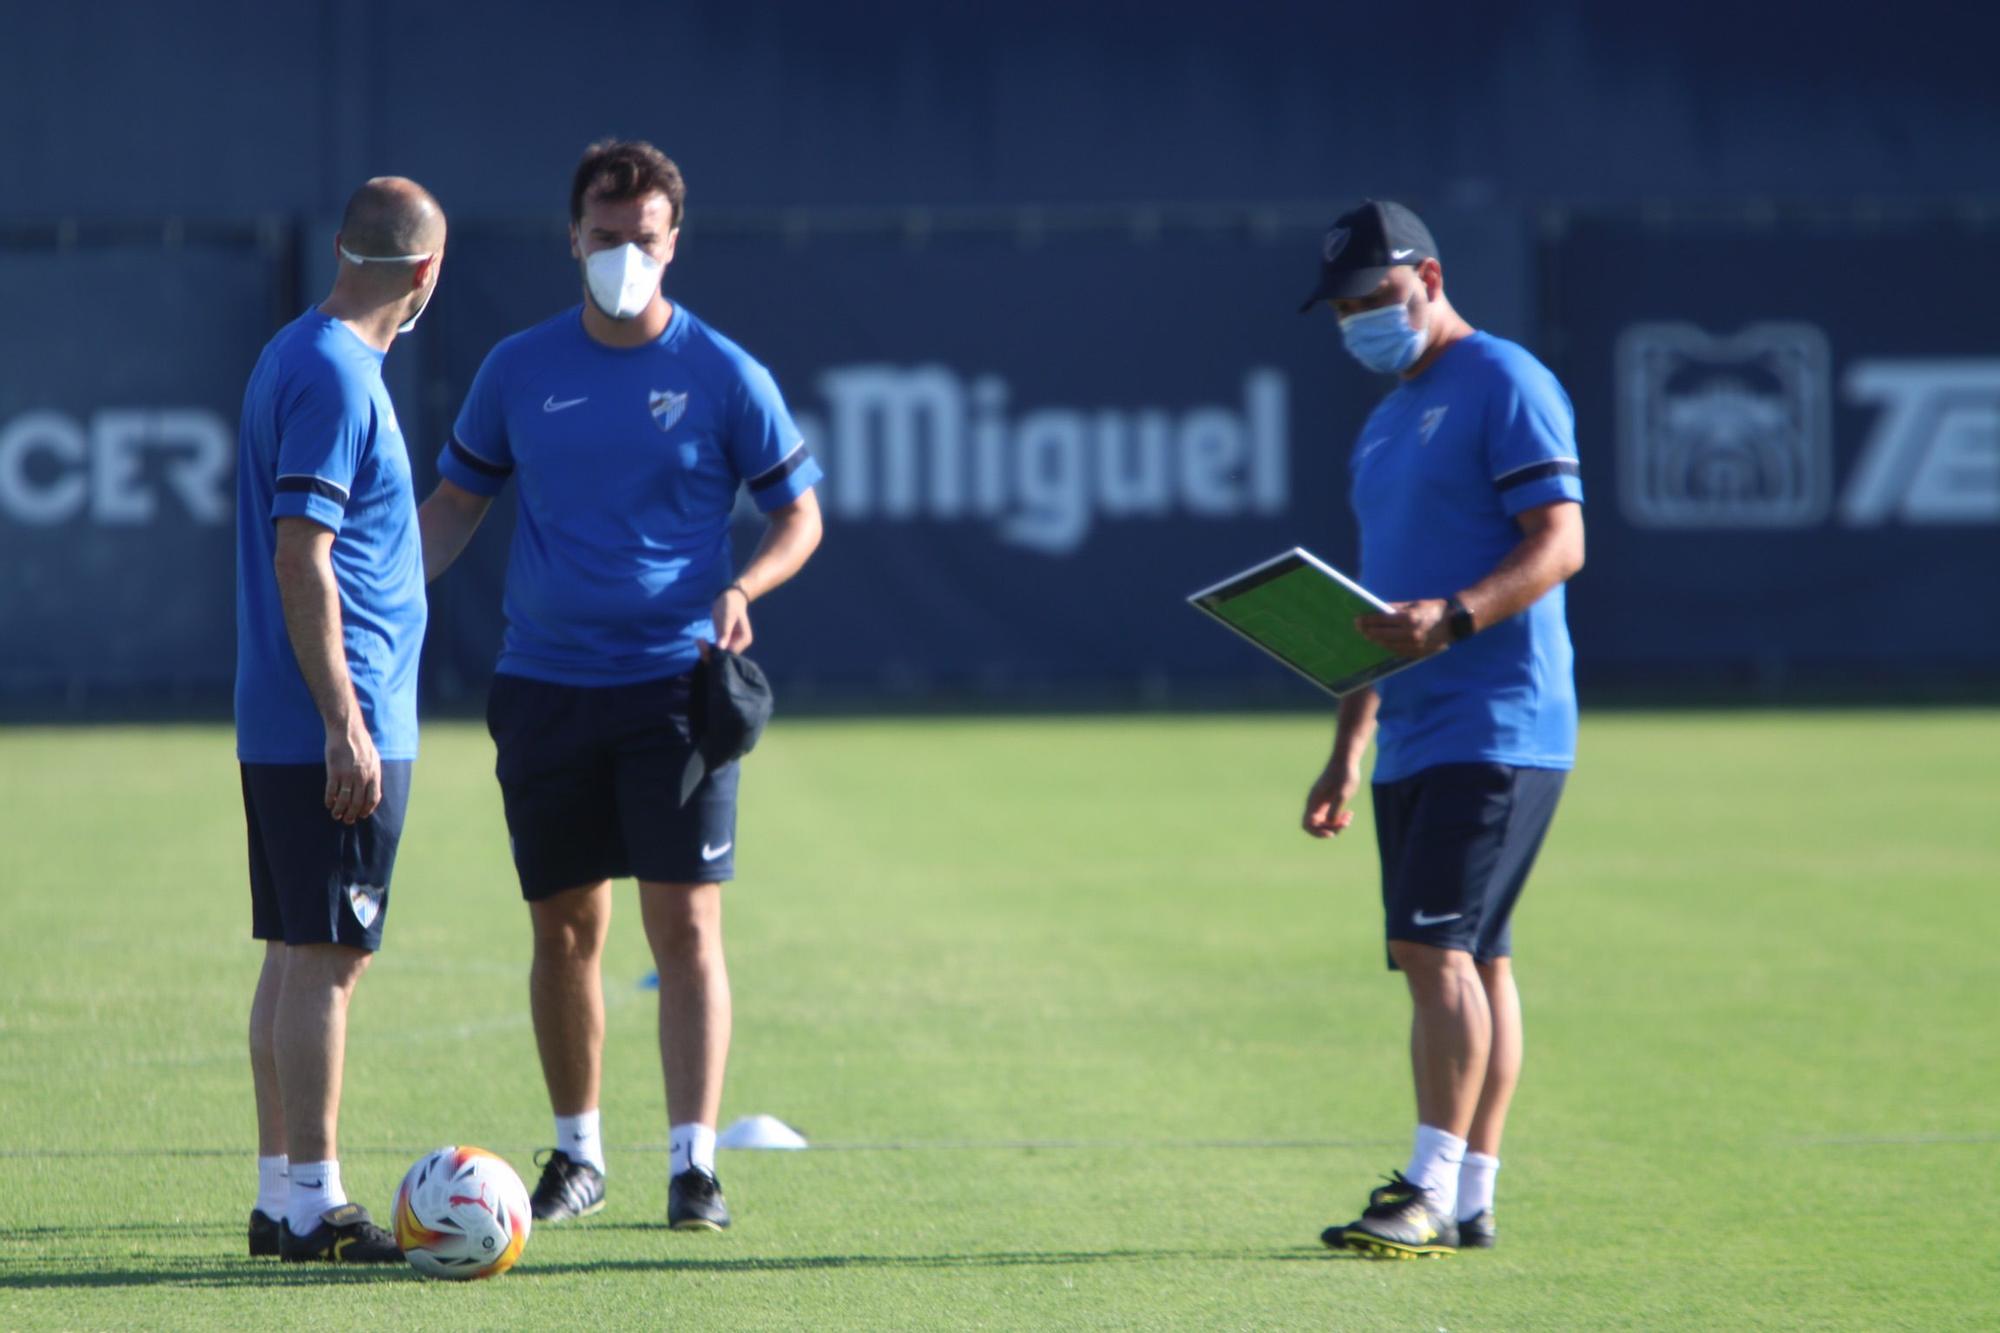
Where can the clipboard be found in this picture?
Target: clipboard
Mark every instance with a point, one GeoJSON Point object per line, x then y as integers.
{"type": "Point", "coordinates": [1301, 610]}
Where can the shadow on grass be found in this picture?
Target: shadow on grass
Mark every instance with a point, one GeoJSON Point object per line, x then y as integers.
{"type": "Point", "coordinates": [241, 1273]}
{"type": "Point", "coordinates": [991, 1259]}
{"type": "Point", "coordinates": [86, 1231]}
{"type": "Point", "coordinates": [268, 1273]}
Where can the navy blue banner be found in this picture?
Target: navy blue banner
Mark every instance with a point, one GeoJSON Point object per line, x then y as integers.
{"type": "Point", "coordinates": [1038, 441]}
{"type": "Point", "coordinates": [125, 371]}
{"type": "Point", "coordinates": [1791, 444]}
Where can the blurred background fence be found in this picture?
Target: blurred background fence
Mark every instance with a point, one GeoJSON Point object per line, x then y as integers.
{"type": "Point", "coordinates": [1027, 277]}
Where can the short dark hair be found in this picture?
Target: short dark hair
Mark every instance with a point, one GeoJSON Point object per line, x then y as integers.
{"type": "Point", "coordinates": [621, 169]}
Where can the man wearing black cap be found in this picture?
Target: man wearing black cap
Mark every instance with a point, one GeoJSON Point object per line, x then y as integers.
{"type": "Point", "coordinates": [1464, 482]}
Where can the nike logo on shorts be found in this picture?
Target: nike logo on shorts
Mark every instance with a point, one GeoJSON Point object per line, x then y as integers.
{"type": "Point", "coordinates": [553, 406]}
{"type": "Point", "coordinates": [1424, 919]}
{"type": "Point", "coordinates": [709, 853]}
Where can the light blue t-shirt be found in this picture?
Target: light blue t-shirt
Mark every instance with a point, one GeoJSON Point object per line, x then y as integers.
{"type": "Point", "coordinates": [319, 440]}
{"type": "Point", "coordinates": [1438, 475]}
{"type": "Point", "coordinates": [629, 461]}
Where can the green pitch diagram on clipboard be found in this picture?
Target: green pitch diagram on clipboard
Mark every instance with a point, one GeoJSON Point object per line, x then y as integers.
{"type": "Point", "coordinates": [1301, 610]}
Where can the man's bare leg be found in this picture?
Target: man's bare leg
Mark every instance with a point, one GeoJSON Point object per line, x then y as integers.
{"type": "Point", "coordinates": [1451, 1033]}
{"type": "Point", "coordinates": [1503, 1061]}
{"type": "Point", "coordinates": [566, 993]}
{"type": "Point", "coordinates": [1489, 1121]}
{"type": "Point", "coordinates": [1451, 1038]}
{"type": "Point", "coordinates": [310, 1036]}
{"type": "Point", "coordinates": [566, 999]}
{"type": "Point", "coordinates": [310, 1043]}
{"type": "Point", "coordinates": [264, 1052]}
{"type": "Point", "coordinates": [684, 926]}
{"type": "Point", "coordinates": [273, 1180]}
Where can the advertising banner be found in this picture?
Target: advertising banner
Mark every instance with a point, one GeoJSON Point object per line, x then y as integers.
{"type": "Point", "coordinates": [126, 365]}
{"type": "Point", "coordinates": [1791, 439]}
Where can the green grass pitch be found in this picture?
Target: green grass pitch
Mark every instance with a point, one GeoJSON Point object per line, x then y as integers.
{"type": "Point", "coordinates": [1085, 1032]}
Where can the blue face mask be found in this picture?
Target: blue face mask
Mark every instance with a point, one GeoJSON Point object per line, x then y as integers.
{"type": "Point", "coordinates": [1383, 340]}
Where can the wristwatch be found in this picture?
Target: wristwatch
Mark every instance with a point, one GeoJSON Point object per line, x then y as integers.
{"type": "Point", "coordinates": [1458, 619]}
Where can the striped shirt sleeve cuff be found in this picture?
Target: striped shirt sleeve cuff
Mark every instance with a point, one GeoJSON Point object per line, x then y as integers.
{"type": "Point", "coordinates": [301, 495]}
{"type": "Point", "coordinates": [468, 470]}
{"type": "Point", "coordinates": [787, 481]}
{"type": "Point", "coordinates": [1538, 484]}
{"type": "Point", "coordinates": [1534, 472]}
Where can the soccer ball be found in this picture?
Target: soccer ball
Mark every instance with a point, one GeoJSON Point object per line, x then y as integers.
{"type": "Point", "coordinates": [462, 1213]}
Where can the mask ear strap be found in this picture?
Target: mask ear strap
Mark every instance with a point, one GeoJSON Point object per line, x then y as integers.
{"type": "Point", "coordinates": [353, 258]}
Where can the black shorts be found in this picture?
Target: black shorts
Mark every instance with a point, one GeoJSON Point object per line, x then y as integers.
{"type": "Point", "coordinates": [313, 879]}
{"type": "Point", "coordinates": [1457, 843]}
{"type": "Point", "coordinates": [591, 779]}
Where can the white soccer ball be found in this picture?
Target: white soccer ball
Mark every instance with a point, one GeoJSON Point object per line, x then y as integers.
{"type": "Point", "coordinates": [462, 1213]}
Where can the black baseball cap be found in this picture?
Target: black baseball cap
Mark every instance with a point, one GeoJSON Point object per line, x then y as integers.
{"type": "Point", "coordinates": [729, 705]}
{"type": "Point", "coordinates": [1361, 247]}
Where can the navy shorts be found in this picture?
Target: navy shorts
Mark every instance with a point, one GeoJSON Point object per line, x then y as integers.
{"type": "Point", "coordinates": [1457, 843]}
{"type": "Point", "coordinates": [313, 879]}
{"type": "Point", "coordinates": [591, 779]}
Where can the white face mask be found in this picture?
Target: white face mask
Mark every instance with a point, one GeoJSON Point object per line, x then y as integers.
{"type": "Point", "coordinates": [411, 322]}
{"type": "Point", "coordinates": [623, 280]}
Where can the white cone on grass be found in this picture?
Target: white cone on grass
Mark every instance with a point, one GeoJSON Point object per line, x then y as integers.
{"type": "Point", "coordinates": [760, 1131]}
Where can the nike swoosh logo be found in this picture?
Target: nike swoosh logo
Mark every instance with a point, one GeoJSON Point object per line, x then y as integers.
{"type": "Point", "coordinates": [311, 1184]}
{"type": "Point", "coordinates": [710, 853]}
{"type": "Point", "coordinates": [1402, 254]}
{"type": "Point", "coordinates": [1421, 919]}
{"type": "Point", "coordinates": [553, 406]}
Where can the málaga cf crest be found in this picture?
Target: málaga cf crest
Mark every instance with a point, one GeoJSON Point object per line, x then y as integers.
{"type": "Point", "coordinates": [1724, 431]}
{"type": "Point", "coordinates": [366, 900]}
{"type": "Point", "coordinates": [667, 407]}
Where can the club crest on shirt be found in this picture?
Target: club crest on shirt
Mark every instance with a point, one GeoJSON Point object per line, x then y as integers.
{"type": "Point", "coordinates": [1428, 424]}
{"type": "Point", "coordinates": [667, 407]}
{"type": "Point", "coordinates": [366, 901]}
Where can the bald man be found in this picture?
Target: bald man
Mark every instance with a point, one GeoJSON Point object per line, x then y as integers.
{"type": "Point", "coordinates": [329, 617]}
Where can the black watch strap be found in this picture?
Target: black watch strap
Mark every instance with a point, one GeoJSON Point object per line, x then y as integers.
{"type": "Point", "coordinates": [1458, 619]}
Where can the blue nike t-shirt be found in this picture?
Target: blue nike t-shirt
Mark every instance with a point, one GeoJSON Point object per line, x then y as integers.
{"type": "Point", "coordinates": [629, 461]}
{"type": "Point", "coordinates": [319, 440]}
{"type": "Point", "coordinates": [1438, 475]}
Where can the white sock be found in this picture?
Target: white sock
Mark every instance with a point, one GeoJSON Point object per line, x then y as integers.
{"type": "Point", "coordinates": [1475, 1184]}
{"type": "Point", "coordinates": [582, 1137]}
{"type": "Point", "coordinates": [272, 1187]}
{"type": "Point", "coordinates": [1434, 1162]}
{"type": "Point", "coordinates": [694, 1148]}
{"type": "Point", "coordinates": [315, 1187]}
